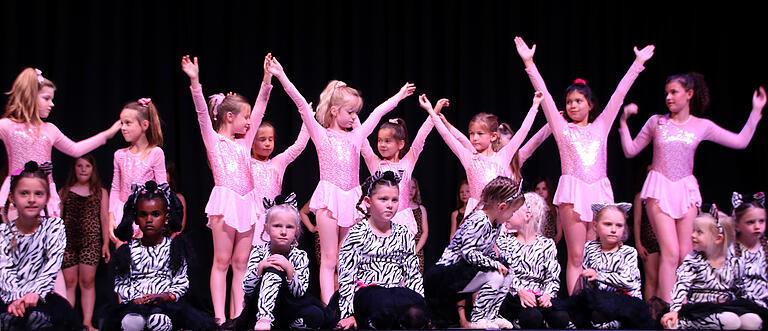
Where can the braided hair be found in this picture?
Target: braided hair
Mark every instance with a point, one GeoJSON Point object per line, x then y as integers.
{"type": "Point", "coordinates": [31, 170]}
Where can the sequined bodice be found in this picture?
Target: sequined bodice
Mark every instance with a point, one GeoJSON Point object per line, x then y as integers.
{"type": "Point", "coordinates": [583, 152]}
{"type": "Point", "coordinates": [674, 147]}
{"type": "Point", "coordinates": [267, 179]}
{"type": "Point", "coordinates": [339, 159]}
{"type": "Point", "coordinates": [405, 182]}
{"type": "Point", "coordinates": [23, 144]}
{"type": "Point", "coordinates": [133, 169]}
{"type": "Point", "coordinates": [481, 171]}
{"type": "Point", "coordinates": [231, 166]}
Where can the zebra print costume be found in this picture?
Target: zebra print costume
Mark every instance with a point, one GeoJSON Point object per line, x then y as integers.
{"type": "Point", "coordinates": [617, 271]}
{"type": "Point", "coordinates": [30, 267]}
{"type": "Point", "coordinates": [473, 242]}
{"type": "Point", "coordinates": [534, 267]}
{"type": "Point", "coordinates": [150, 274]}
{"type": "Point", "coordinates": [268, 284]}
{"type": "Point", "coordinates": [755, 280]}
{"type": "Point", "coordinates": [368, 259]}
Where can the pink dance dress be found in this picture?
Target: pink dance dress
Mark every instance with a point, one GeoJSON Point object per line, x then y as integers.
{"type": "Point", "coordinates": [404, 214]}
{"type": "Point", "coordinates": [233, 193]}
{"type": "Point", "coordinates": [338, 154]}
{"type": "Point", "coordinates": [130, 168]}
{"type": "Point", "coordinates": [583, 149]}
{"type": "Point", "coordinates": [268, 179]}
{"type": "Point", "coordinates": [671, 181]}
{"type": "Point", "coordinates": [24, 144]}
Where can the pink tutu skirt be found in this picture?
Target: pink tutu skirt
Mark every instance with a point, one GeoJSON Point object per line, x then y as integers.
{"type": "Point", "coordinates": [259, 235]}
{"type": "Point", "coordinates": [405, 217]}
{"type": "Point", "coordinates": [471, 204]}
{"type": "Point", "coordinates": [674, 198]}
{"type": "Point", "coordinates": [582, 195]}
{"type": "Point", "coordinates": [53, 206]}
{"type": "Point", "coordinates": [238, 211]}
{"type": "Point", "coordinates": [340, 203]}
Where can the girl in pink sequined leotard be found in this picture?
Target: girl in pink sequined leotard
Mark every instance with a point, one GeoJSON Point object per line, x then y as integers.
{"type": "Point", "coordinates": [581, 139]}
{"type": "Point", "coordinates": [268, 172]}
{"type": "Point", "coordinates": [479, 160]}
{"type": "Point", "coordinates": [338, 153]}
{"type": "Point", "coordinates": [670, 190]}
{"type": "Point", "coordinates": [140, 162]}
{"type": "Point", "coordinates": [231, 207]}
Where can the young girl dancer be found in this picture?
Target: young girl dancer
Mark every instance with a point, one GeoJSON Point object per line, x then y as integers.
{"type": "Point", "coordinates": [276, 282]}
{"type": "Point", "coordinates": [533, 261]}
{"type": "Point", "coordinates": [480, 162]}
{"type": "Point", "coordinates": [380, 286]}
{"type": "Point", "coordinates": [751, 245]}
{"type": "Point", "coordinates": [338, 151]}
{"type": "Point", "coordinates": [469, 261]}
{"type": "Point", "coordinates": [85, 205]}
{"type": "Point", "coordinates": [703, 296]}
{"type": "Point", "coordinates": [457, 216]}
{"type": "Point", "coordinates": [581, 135]}
{"type": "Point", "coordinates": [268, 173]}
{"type": "Point", "coordinates": [670, 190]}
{"type": "Point", "coordinates": [140, 162]}
{"type": "Point", "coordinates": [231, 206]}
{"type": "Point", "coordinates": [150, 272]}
{"type": "Point", "coordinates": [31, 249]}
{"type": "Point", "coordinates": [28, 138]}
{"type": "Point", "coordinates": [611, 297]}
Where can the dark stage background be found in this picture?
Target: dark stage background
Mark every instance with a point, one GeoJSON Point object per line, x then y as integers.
{"type": "Point", "coordinates": [102, 54]}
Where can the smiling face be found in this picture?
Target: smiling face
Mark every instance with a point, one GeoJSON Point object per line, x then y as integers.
{"type": "Point", "coordinates": [480, 137]}
{"type": "Point", "coordinates": [29, 197]}
{"type": "Point", "coordinates": [578, 106]}
{"type": "Point", "coordinates": [677, 98]}
{"type": "Point", "coordinates": [383, 203]}
{"type": "Point", "coordinates": [151, 216]}
{"type": "Point", "coordinates": [133, 126]}
{"type": "Point", "coordinates": [610, 226]}
{"type": "Point", "coordinates": [389, 146]}
{"type": "Point", "coordinates": [45, 101]}
{"type": "Point", "coordinates": [83, 171]}
{"type": "Point", "coordinates": [264, 144]}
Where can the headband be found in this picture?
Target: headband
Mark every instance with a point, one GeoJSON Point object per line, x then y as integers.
{"type": "Point", "coordinates": [289, 199]}
{"type": "Point", "coordinates": [737, 199]}
{"type": "Point", "coordinates": [623, 206]}
{"type": "Point", "coordinates": [46, 167]}
{"type": "Point", "coordinates": [387, 175]}
{"type": "Point", "coordinates": [518, 193]}
{"type": "Point", "coordinates": [151, 186]}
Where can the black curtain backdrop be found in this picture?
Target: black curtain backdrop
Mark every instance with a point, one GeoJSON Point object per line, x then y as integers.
{"type": "Point", "coordinates": [102, 54]}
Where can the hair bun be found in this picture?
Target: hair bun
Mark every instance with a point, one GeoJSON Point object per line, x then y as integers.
{"type": "Point", "coordinates": [150, 185]}
{"type": "Point", "coordinates": [579, 81]}
{"type": "Point", "coordinates": [31, 166]}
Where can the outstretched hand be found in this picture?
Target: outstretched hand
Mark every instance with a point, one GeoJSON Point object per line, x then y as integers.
{"type": "Point", "coordinates": [629, 110]}
{"type": "Point", "coordinates": [267, 74]}
{"type": "Point", "coordinates": [758, 100]}
{"type": "Point", "coordinates": [538, 97]}
{"type": "Point", "coordinates": [406, 91]}
{"type": "Point", "coordinates": [440, 104]}
{"type": "Point", "coordinates": [526, 53]}
{"type": "Point", "coordinates": [425, 103]}
{"type": "Point", "coordinates": [644, 54]}
{"type": "Point", "coordinates": [190, 67]}
{"type": "Point", "coordinates": [274, 67]}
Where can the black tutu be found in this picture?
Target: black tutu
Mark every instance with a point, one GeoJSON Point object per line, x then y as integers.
{"type": "Point", "coordinates": [631, 312]}
{"type": "Point", "coordinates": [63, 317]}
{"type": "Point", "coordinates": [383, 308]}
{"type": "Point", "coordinates": [700, 310]}
{"type": "Point", "coordinates": [182, 315]}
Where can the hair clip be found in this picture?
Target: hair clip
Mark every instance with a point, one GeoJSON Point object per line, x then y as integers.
{"type": "Point", "coordinates": [518, 194]}
{"type": "Point", "coordinates": [579, 81]}
{"type": "Point", "coordinates": [623, 206]}
{"type": "Point", "coordinates": [40, 78]}
{"type": "Point", "coordinates": [393, 121]}
{"type": "Point", "coordinates": [139, 189]}
{"type": "Point", "coordinates": [45, 167]}
{"type": "Point", "coordinates": [144, 102]}
{"type": "Point", "coordinates": [289, 199]}
{"type": "Point", "coordinates": [218, 98]}
{"type": "Point", "coordinates": [737, 199]}
{"type": "Point", "coordinates": [340, 84]}
{"type": "Point", "coordinates": [715, 213]}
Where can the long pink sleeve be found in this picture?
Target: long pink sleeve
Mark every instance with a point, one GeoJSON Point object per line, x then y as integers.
{"type": "Point", "coordinates": [606, 118]}
{"type": "Point", "coordinates": [555, 120]}
{"type": "Point", "coordinates": [454, 144]}
{"type": "Point", "coordinates": [257, 115]}
{"type": "Point", "coordinates": [527, 150]}
{"type": "Point", "coordinates": [418, 142]}
{"type": "Point", "coordinates": [507, 152]}
{"type": "Point", "coordinates": [203, 119]}
{"type": "Point", "coordinates": [462, 139]}
{"type": "Point", "coordinates": [729, 139]}
{"type": "Point", "coordinates": [371, 159]}
{"type": "Point", "coordinates": [290, 154]}
{"type": "Point", "coordinates": [631, 146]}
{"type": "Point", "coordinates": [158, 165]}
{"type": "Point", "coordinates": [365, 129]}
{"type": "Point", "coordinates": [316, 131]}
{"type": "Point", "coordinates": [69, 147]}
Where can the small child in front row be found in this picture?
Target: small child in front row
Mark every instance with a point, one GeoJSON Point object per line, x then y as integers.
{"type": "Point", "coordinates": [469, 261]}
{"type": "Point", "coordinates": [277, 276]}
{"type": "Point", "coordinates": [380, 286]}
{"type": "Point", "coordinates": [751, 245]}
{"type": "Point", "coordinates": [707, 281]}
{"type": "Point", "coordinates": [611, 297]}
{"type": "Point", "coordinates": [150, 273]}
{"type": "Point", "coordinates": [533, 260]}
{"type": "Point", "coordinates": [31, 250]}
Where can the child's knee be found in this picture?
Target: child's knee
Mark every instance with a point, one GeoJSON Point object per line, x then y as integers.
{"type": "Point", "coordinates": [729, 320]}
{"type": "Point", "coordinates": [133, 322]}
{"type": "Point", "coordinates": [751, 321]}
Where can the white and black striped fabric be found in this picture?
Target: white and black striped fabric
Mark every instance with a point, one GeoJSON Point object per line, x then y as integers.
{"type": "Point", "coordinates": [755, 281]}
{"type": "Point", "coordinates": [150, 273]}
{"type": "Point", "coordinates": [32, 265]}
{"type": "Point", "coordinates": [268, 284]}
{"type": "Point", "coordinates": [369, 259]}
{"type": "Point", "coordinates": [617, 271]}
{"type": "Point", "coordinates": [473, 242]}
{"type": "Point", "coordinates": [697, 281]}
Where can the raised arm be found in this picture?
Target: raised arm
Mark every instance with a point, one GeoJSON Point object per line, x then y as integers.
{"type": "Point", "coordinates": [527, 150]}
{"type": "Point", "coordinates": [729, 139]}
{"type": "Point", "coordinates": [257, 115]}
{"type": "Point", "coordinates": [316, 131]}
{"type": "Point", "coordinates": [439, 105]}
{"type": "Point", "coordinates": [292, 152]}
{"type": "Point", "coordinates": [192, 69]}
{"type": "Point", "coordinates": [454, 144]}
{"type": "Point", "coordinates": [418, 143]}
{"type": "Point", "coordinates": [548, 105]}
{"type": "Point", "coordinates": [508, 151]}
{"type": "Point", "coordinates": [370, 123]}
{"type": "Point", "coordinates": [371, 159]}
{"type": "Point", "coordinates": [606, 118]}
{"type": "Point", "coordinates": [631, 146]}
{"type": "Point", "coordinates": [78, 149]}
